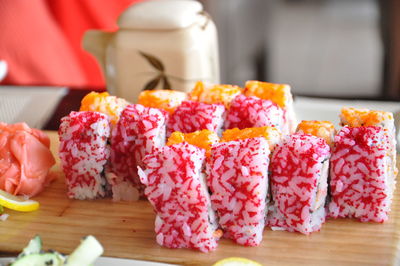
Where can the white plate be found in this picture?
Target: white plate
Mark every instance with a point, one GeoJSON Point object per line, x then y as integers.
{"type": "Point", "coordinates": [106, 261]}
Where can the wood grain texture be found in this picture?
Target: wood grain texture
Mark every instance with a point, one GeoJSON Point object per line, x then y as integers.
{"type": "Point", "coordinates": [126, 230]}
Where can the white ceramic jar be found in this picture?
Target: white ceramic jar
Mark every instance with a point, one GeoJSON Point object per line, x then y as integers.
{"type": "Point", "coordinates": [160, 44]}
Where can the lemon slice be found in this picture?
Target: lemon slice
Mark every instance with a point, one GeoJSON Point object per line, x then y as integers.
{"type": "Point", "coordinates": [17, 203]}
{"type": "Point", "coordinates": [236, 261]}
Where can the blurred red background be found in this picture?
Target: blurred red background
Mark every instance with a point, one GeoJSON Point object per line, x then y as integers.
{"type": "Point", "coordinates": [41, 40]}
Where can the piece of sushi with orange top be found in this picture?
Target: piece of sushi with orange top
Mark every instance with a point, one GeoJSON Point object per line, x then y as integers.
{"type": "Point", "coordinates": [362, 117]}
{"type": "Point", "coordinates": [84, 153]}
{"type": "Point", "coordinates": [218, 93]}
{"type": "Point", "coordinates": [299, 184]}
{"type": "Point", "coordinates": [176, 188]}
{"type": "Point", "coordinates": [103, 102]}
{"type": "Point", "coordinates": [167, 100]}
{"type": "Point", "coordinates": [361, 176]}
{"type": "Point", "coordinates": [192, 116]}
{"type": "Point", "coordinates": [237, 177]}
{"type": "Point", "coordinates": [280, 94]}
{"type": "Point", "coordinates": [271, 134]}
{"type": "Point", "coordinates": [321, 129]}
{"type": "Point", "coordinates": [202, 139]}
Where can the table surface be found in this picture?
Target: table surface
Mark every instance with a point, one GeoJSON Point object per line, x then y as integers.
{"type": "Point", "coordinates": [126, 230]}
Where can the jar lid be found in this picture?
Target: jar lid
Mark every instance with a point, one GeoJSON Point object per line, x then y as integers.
{"type": "Point", "coordinates": [160, 14]}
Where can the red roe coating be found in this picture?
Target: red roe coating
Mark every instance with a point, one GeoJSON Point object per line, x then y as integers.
{"type": "Point", "coordinates": [175, 189]}
{"type": "Point", "coordinates": [247, 112]}
{"type": "Point", "coordinates": [359, 184]}
{"type": "Point", "coordinates": [296, 165]}
{"type": "Point", "coordinates": [139, 131]}
{"type": "Point", "coordinates": [193, 116]}
{"type": "Point", "coordinates": [84, 153]}
{"type": "Point", "coordinates": [238, 180]}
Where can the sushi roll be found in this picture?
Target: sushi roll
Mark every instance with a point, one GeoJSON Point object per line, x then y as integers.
{"type": "Point", "coordinates": [167, 100]}
{"type": "Point", "coordinates": [271, 134]}
{"type": "Point", "coordinates": [104, 103]}
{"type": "Point", "coordinates": [202, 139]}
{"type": "Point", "coordinates": [354, 117]}
{"type": "Point", "coordinates": [299, 184]}
{"type": "Point", "coordinates": [193, 116]}
{"type": "Point", "coordinates": [237, 175]}
{"type": "Point", "coordinates": [218, 94]}
{"type": "Point", "coordinates": [322, 129]}
{"type": "Point", "coordinates": [176, 188]}
{"type": "Point", "coordinates": [139, 131]}
{"type": "Point", "coordinates": [361, 183]}
{"type": "Point", "coordinates": [277, 93]}
{"type": "Point", "coordinates": [248, 112]}
{"type": "Point", "coordinates": [84, 153]}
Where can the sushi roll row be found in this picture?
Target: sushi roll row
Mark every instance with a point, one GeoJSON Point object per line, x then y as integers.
{"type": "Point", "coordinates": [100, 157]}
{"type": "Point", "coordinates": [236, 173]}
{"type": "Point", "coordinates": [220, 107]}
{"type": "Point", "coordinates": [137, 129]}
{"type": "Point", "coordinates": [256, 178]}
{"type": "Point", "coordinates": [205, 182]}
{"type": "Point", "coordinates": [194, 194]}
{"type": "Point", "coordinates": [362, 169]}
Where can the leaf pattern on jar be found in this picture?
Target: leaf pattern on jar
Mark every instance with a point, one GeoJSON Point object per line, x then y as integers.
{"type": "Point", "coordinates": [160, 75]}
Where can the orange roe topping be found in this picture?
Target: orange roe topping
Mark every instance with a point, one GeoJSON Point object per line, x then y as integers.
{"type": "Point", "coordinates": [354, 117]}
{"type": "Point", "coordinates": [175, 138]}
{"type": "Point", "coordinates": [167, 100]}
{"type": "Point", "coordinates": [277, 93]}
{"type": "Point", "coordinates": [271, 134]}
{"type": "Point", "coordinates": [220, 93]}
{"type": "Point", "coordinates": [104, 103]}
{"type": "Point", "coordinates": [321, 129]}
{"type": "Point", "coordinates": [202, 139]}
{"type": "Point", "coordinates": [376, 117]}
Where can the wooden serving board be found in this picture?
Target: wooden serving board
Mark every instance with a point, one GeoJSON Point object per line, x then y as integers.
{"type": "Point", "coordinates": [126, 230]}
